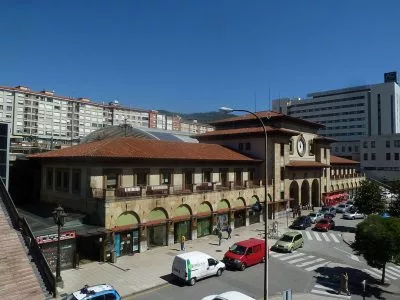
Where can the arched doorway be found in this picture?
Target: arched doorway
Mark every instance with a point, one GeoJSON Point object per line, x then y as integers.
{"type": "Point", "coordinates": [204, 219]}
{"type": "Point", "coordinates": [126, 234]}
{"type": "Point", "coordinates": [315, 194]}
{"type": "Point", "coordinates": [294, 193]}
{"type": "Point", "coordinates": [305, 193]}
{"type": "Point", "coordinates": [182, 223]}
{"type": "Point", "coordinates": [223, 219]}
{"type": "Point", "coordinates": [239, 215]}
{"type": "Point", "coordinates": [157, 228]}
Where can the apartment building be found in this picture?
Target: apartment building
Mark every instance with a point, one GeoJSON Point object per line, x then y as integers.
{"type": "Point", "coordinates": [350, 113]}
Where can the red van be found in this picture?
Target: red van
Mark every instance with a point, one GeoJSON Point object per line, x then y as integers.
{"type": "Point", "coordinates": [245, 253]}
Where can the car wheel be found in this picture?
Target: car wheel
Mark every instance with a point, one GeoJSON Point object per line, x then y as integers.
{"type": "Point", "coordinates": [192, 281]}
{"type": "Point", "coordinates": [219, 272]}
{"type": "Point", "coordinates": [353, 218]}
{"type": "Point", "coordinates": [242, 267]}
{"type": "Point", "coordinates": [263, 260]}
{"type": "Point", "coordinates": [290, 250]}
{"type": "Point", "coordinates": [302, 244]}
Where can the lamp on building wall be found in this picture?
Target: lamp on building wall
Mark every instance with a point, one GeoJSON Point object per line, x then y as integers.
{"type": "Point", "coordinates": [229, 110]}
{"type": "Point", "coordinates": [59, 219]}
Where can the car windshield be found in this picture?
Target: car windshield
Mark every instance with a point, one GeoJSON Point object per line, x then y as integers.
{"type": "Point", "coordinates": [341, 205]}
{"type": "Point", "coordinates": [313, 215]}
{"type": "Point", "coordinates": [237, 249]}
{"type": "Point", "coordinates": [323, 221]}
{"type": "Point", "coordinates": [286, 238]}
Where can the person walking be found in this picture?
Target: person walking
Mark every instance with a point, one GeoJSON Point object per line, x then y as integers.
{"type": "Point", "coordinates": [219, 237]}
{"type": "Point", "coordinates": [229, 230]}
{"type": "Point", "coordinates": [183, 239]}
{"type": "Point", "coordinates": [344, 284]}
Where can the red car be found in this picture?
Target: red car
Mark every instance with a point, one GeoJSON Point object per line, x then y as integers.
{"type": "Point", "coordinates": [325, 224]}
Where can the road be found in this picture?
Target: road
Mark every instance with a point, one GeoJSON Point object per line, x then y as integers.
{"type": "Point", "coordinates": [312, 269]}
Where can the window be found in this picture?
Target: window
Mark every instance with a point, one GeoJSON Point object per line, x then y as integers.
{"type": "Point", "coordinates": [291, 146]}
{"type": "Point", "coordinates": [282, 149]}
{"type": "Point", "coordinates": [387, 156]}
{"type": "Point", "coordinates": [373, 156]}
{"type": "Point", "coordinates": [396, 156]}
{"type": "Point", "coordinates": [311, 147]}
{"type": "Point", "coordinates": [365, 156]}
{"type": "Point", "coordinates": [349, 149]}
{"type": "Point", "coordinates": [372, 144]}
{"type": "Point", "coordinates": [76, 181]}
{"type": "Point", "coordinates": [141, 178]}
{"type": "Point", "coordinates": [49, 178]}
{"type": "Point", "coordinates": [282, 195]}
{"type": "Point", "coordinates": [62, 179]}
{"type": "Point", "coordinates": [238, 176]}
{"type": "Point", "coordinates": [166, 176]}
{"type": "Point", "coordinates": [282, 173]}
{"type": "Point", "coordinates": [111, 179]}
{"type": "Point", "coordinates": [336, 149]}
{"type": "Point", "coordinates": [324, 152]}
{"type": "Point", "coordinates": [206, 175]}
{"type": "Point", "coordinates": [223, 177]}
{"type": "Point", "coordinates": [397, 143]}
{"type": "Point", "coordinates": [365, 144]}
{"type": "Point", "coordinates": [388, 144]}
{"type": "Point", "coordinates": [343, 148]}
{"type": "Point", "coordinates": [248, 146]}
{"type": "Point", "coordinates": [355, 148]}
{"type": "Point", "coordinates": [240, 146]}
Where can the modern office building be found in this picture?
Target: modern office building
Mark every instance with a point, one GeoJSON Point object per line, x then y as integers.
{"type": "Point", "coordinates": [45, 120]}
{"type": "Point", "coordinates": [350, 113]}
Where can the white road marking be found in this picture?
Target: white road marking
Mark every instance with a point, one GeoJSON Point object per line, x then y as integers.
{"type": "Point", "coordinates": [300, 259]}
{"type": "Point", "coordinates": [310, 262]}
{"type": "Point", "coordinates": [330, 294]}
{"type": "Point", "coordinates": [373, 273]}
{"type": "Point", "coordinates": [386, 275]}
{"type": "Point", "coordinates": [312, 268]}
{"type": "Point", "coordinates": [394, 270]}
{"type": "Point", "coordinates": [352, 256]}
{"type": "Point", "coordinates": [309, 236]}
{"type": "Point", "coordinates": [326, 237]}
{"type": "Point", "coordinates": [317, 237]}
{"type": "Point", "coordinates": [278, 254]}
{"type": "Point", "coordinates": [334, 238]}
{"type": "Point", "coordinates": [291, 256]}
{"type": "Point", "coordinates": [394, 273]}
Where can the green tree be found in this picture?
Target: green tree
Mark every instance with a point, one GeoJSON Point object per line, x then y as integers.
{"type": "Point", "coordinates": [368, 198]}
{"type": "Point", "coordinates": [394, 206]}
{"type": "Point", "coordinates": [377, 241]}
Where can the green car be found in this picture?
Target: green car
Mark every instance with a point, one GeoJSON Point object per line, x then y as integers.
{"type": "Point", "coordinates": [289, 241]}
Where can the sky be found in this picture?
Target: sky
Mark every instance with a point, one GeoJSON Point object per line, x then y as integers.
{"type": "Point", "coordinates": [196, 56]}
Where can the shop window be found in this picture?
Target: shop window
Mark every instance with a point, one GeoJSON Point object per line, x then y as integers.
{"type": "Point", "coordinates": [49, 178]}
{"type": "Point", "coordinates": [387, 156]}
{"type": "Point", "coordinates": [76, 181]}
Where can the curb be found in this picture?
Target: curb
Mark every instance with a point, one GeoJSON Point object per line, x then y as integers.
{"type": "Point", "coordinates": [145, 290]}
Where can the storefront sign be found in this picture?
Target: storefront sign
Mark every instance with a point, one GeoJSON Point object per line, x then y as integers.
{"type": "Point", "coordinates": [50, 238]}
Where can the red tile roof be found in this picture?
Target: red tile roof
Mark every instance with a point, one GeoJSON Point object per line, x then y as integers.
{"type": "Point", "coordinates": [136, 148]}
{"type": "Point", "coordinates": [306, 164]}
{"type": "Point", "coordinates": [238, 131]}
{"type": "Point", "coordinates": [265, 115]}
{"type": "Point", "coordinates": [336, 160]}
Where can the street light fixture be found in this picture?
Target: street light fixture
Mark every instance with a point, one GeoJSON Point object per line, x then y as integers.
{"type": "Point", "coordinates": [229, 110]}
{"type": "Point", "coordinates": [59, 219]}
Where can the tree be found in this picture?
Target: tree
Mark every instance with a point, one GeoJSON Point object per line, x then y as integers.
{"type": "Point", "coordinates": [394, 206]}
{"type": "Point", "coordinates": [377, 241]}
{"type": "Point", "coordinates": [368, 198]}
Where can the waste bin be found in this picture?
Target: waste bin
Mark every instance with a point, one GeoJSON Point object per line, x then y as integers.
{"type": "Point", "coordinates": [113, 257]}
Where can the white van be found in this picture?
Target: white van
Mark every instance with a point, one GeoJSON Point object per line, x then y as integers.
{"type": "Point", "coordinates": [192, 266]}
{"type": "Point", "coordinates": [231, 295]}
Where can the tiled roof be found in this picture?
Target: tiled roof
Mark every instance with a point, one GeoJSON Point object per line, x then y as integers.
{"type": "Point", "coordinates": [238, 131]}
{"type": "Point", "coordinates": [266, 115]}
{"type": "Point", "coordinates": [306, 164]}
{"type": "Point", "coordinates": [336, 160]}
{"type": "Point", "coordinates": [135, 148]}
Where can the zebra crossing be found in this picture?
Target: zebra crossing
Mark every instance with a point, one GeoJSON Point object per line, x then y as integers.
{"type": "Point", "coordinates": [307, 262]}
{"type": "Point", "coordinates": [329, 290]}
{"type": "Point", "coordinates": [330, 237]}
{"type": "Point", "coordinates": [391, 272]}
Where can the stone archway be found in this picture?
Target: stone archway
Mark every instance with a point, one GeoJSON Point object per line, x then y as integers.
{"type": "Point", "coordinates": [127, 219]}
{"type": "Point", "coordinates": [294, 193]}
{"type": "Point", "coordinates": [157, 231]}
{"type": "Point", "coordinates": [305, 193]}
{"type": "Point", "coordinates": [239, 213]}
{"type": "Point", "coordinates": [204, 219]}
{"type": "Point", "coordinates": [315, 194]}
{"type": "Point", "coordinates": [182, 223]}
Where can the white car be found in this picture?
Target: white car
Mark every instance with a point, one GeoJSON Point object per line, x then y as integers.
{"type": "Point", "coordinates": [231, 295]}
{"type": "Point", "coordinates": [316, 216]}
{"type": "Point", "coordinates": [352, 215]}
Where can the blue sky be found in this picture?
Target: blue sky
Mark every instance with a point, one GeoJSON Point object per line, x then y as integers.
{"type": "Point", "coordinates": [195, 56]}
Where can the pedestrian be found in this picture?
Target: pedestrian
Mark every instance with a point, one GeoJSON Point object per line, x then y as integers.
{"type": "Point", "coordinates": [219, 237]}
{"type": "Point", "coordinates": [183, 239]}
{"type": "Point", "coordinates": [344, 284]}
{"type": "Point", "coordinates": [229, 230]}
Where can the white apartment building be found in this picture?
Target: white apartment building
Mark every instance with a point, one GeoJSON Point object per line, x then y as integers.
{"type": "Point", "coordinates": [350, 113]}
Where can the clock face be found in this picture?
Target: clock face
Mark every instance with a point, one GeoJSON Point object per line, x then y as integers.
{"type": "Point", "coordinates": [301, 145]}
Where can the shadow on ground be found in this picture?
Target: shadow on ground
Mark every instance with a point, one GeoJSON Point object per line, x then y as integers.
{"type": "Point", "coordinates": [171, 279]}
{"type": "Point", "coordinates": [330, 278]}
{"type": "Point", "coordinates": [344, 229]}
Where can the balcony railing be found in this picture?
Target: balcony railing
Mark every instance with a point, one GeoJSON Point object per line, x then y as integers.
{"type": "Point", "coordinates": [345, 176]}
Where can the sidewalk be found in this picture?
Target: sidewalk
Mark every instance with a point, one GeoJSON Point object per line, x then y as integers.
{"type": "Point", "coordinates": [132, 274]}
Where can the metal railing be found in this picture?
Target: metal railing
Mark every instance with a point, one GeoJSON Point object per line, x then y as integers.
{"type": "Point", "coordinates": [22, 225]}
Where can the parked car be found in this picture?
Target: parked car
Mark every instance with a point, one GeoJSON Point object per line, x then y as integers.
{"type": "Point", "coordinates": [101, 291]}
{"type": "Point", "coordinates": [301, 222]}
{"type": "Point", "coordinates": [244, 254]}
{"type": "Point", "coordinates": [343, 207]}
{"type": "Point", "coordinates": [325, 225]}
{"type": "Point", "coordinates": [384, 214]}
{"type": "Point", "coordinates": [289, 241]}
{"type": "Point", "coordinates": [328, 210]}
{"type": "Point", "coordinates": [353, 214]}
{"type": "Point", "coordinates": [329, 216]}
{"type": "Point", "coordinates": [231, 295]}
{"type": "Point", "coordinates": [315, 216]}
{"type": "Point", "coordinates": [192, 266]}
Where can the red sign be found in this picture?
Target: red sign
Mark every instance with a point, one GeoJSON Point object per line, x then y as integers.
{"type": "Point", "coordinates": [50, 238]}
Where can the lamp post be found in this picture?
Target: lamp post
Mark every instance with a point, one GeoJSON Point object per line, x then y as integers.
{"type": "Point", "coordinates": [59, 219]}
{"type": "Point", "coordinates": [228, 110]}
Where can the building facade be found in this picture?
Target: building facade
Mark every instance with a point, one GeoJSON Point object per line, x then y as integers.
{"type": "Point", "coordinates": [149, 193]}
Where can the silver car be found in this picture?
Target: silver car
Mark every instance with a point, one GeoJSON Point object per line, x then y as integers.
{"type": "Point", "coordinates": [343, 207]}
{"type": "Point", "coordinates": [353, 214]}
{"type": "Point", "coordinates": [316, 216]}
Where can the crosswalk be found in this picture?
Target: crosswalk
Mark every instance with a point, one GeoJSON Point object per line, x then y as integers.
{"type": "Point", "coordinates": [392, 272]}
{"type": "Point", "coordinates": [330, 237]}
{"type": "Point", "coordinates": [307, 262]}
{"type": "Point", "coordinates": [329, 290]}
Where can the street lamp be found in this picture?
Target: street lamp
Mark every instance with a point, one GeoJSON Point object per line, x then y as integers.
{"type": "Point", "coordinates": [59, 218]}
{"type": "Point", "coordinates": [229, 110]}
